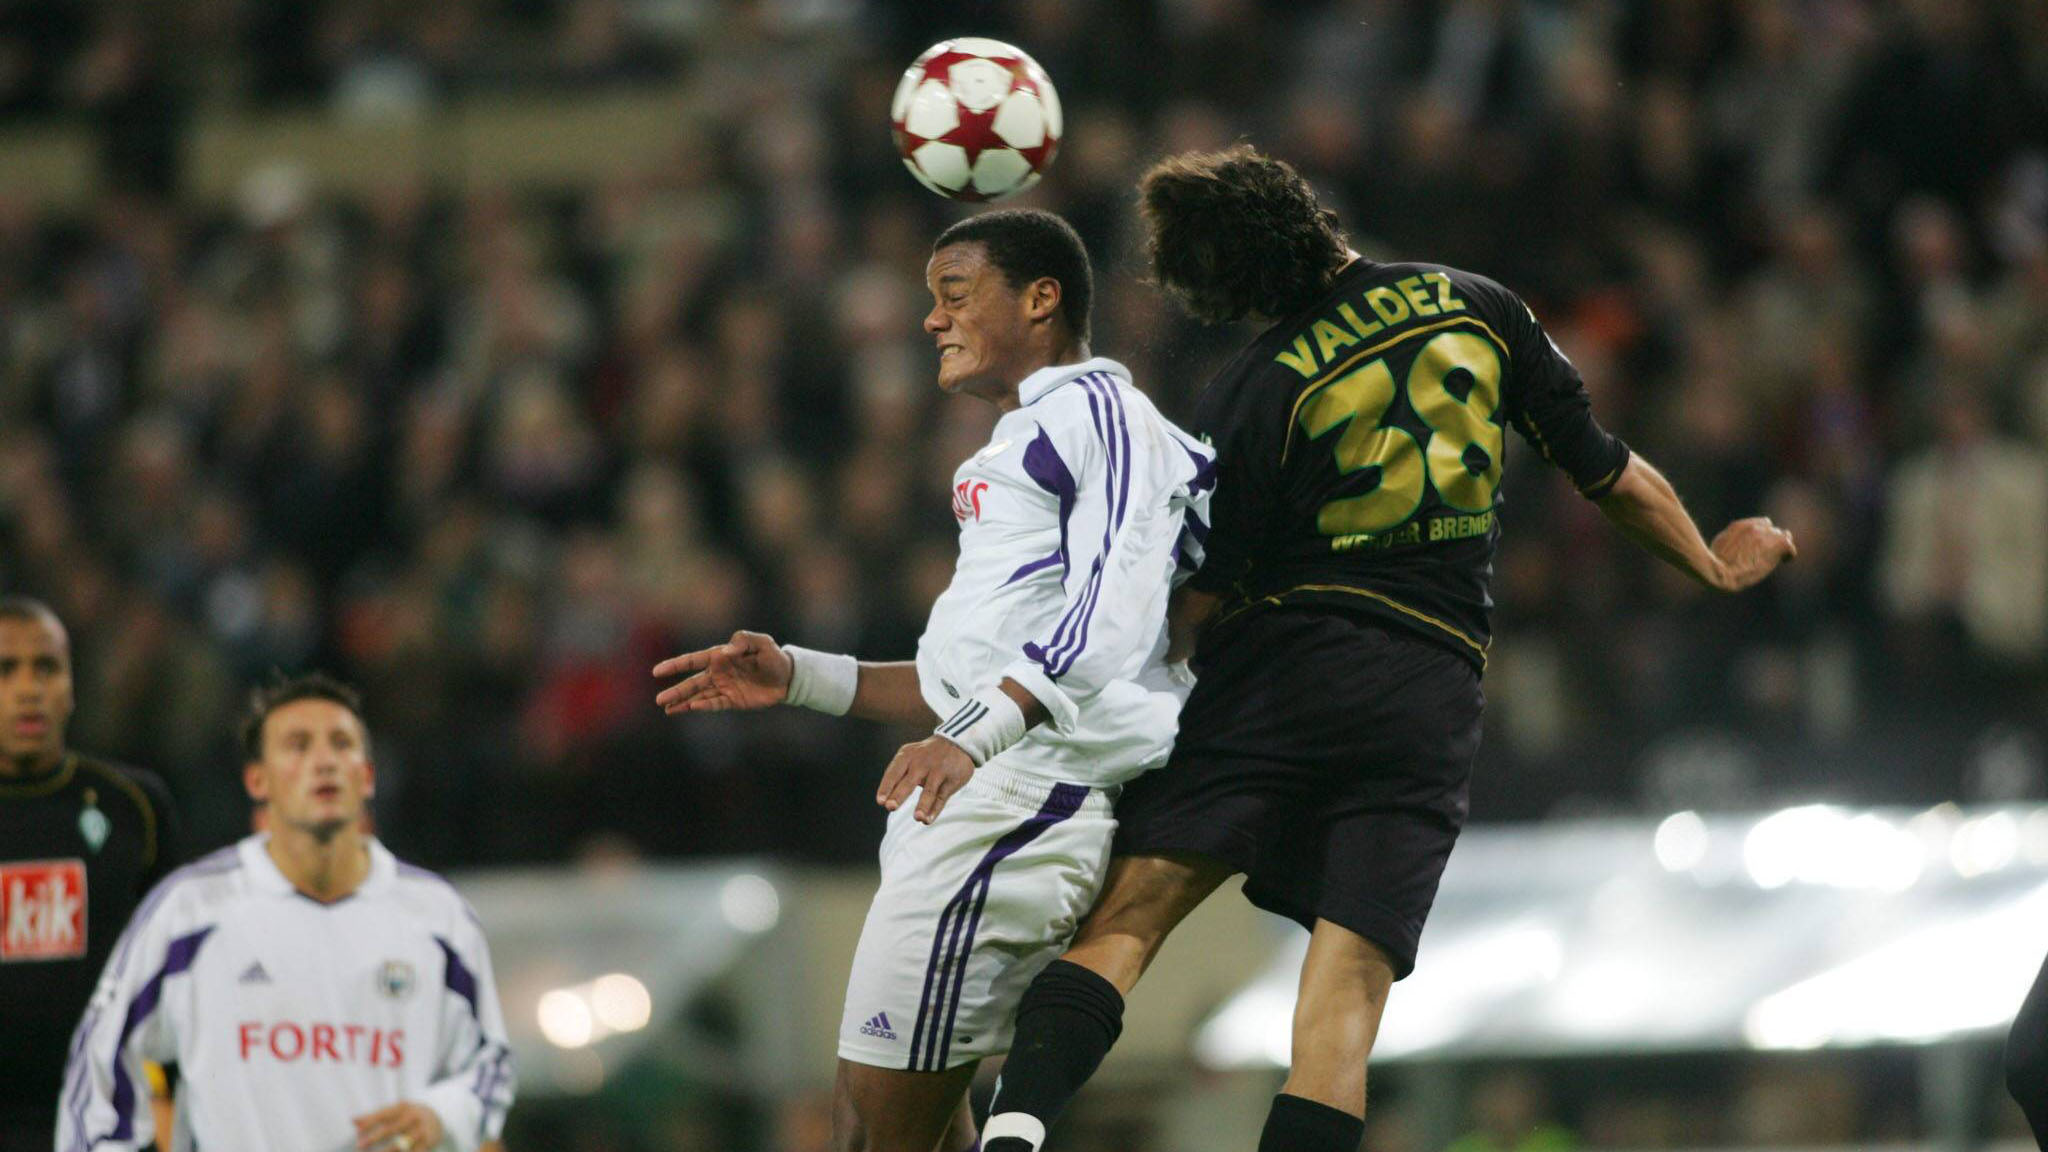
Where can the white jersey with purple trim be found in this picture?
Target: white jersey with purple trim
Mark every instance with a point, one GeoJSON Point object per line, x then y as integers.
{"type": "Point", "coordinates": [1074, 522]}
{"type": "Point", "coordinates": [288, 1017]}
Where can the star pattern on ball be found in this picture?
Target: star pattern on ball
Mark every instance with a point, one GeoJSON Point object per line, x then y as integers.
{"type": "Point", "coordinates": [976, 122]}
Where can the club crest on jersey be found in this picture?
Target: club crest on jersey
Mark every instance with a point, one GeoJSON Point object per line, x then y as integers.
{"type": "Point", "coordinates": [395, 979]}
{"type": "Point", "coordinates": [42, 910]}
{"type": "Point", "coordinates": [93, 823]}
{"type": "Point", "coordinates": [967, 499]}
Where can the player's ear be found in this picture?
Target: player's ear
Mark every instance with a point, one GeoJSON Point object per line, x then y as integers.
{"type": "Point", "coordinates": [1042, 298]}
{"type": "Point", "coordinates": [255, 783]}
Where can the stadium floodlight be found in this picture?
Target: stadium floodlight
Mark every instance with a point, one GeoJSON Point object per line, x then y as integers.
{"type": "Point", "coordinates": [620, 1002]}
{"type": "Point", "coordinates": [583, 1014]}
{"type": "Point", "coordinates": [565, 1018]}
{"type": "Point", "coordinates": [750, 903]}
{"type": "Point", "coordinates": [1823, 844]}
{"type": "Point", "coordinates": [1682, 841]}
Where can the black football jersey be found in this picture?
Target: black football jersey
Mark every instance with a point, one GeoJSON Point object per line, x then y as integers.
{"type": "Point", "coordinates": [1360, 445]}
{"type": "Point", "coordinates": [79, 848]}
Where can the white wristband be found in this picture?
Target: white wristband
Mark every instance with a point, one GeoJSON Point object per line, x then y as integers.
{"type": "Point", "coordinates": [821, 681]}
{"type": "Point", "coordinates": [986, 724]}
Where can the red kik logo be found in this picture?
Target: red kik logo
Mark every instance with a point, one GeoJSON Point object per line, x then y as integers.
{"type": "Point", "coordinates": [967, 499]}
{"type": "Point", "coordinates": [42, 910]}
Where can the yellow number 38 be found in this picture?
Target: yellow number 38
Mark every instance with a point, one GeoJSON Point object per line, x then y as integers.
{"type": "Point", "coordinates": [1463, 457]}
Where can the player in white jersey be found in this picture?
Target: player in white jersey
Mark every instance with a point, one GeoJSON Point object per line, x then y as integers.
{"type": "Point", "coordinates": [316, 993]}
{"type": "Point", "coordinates": [1041, 672]}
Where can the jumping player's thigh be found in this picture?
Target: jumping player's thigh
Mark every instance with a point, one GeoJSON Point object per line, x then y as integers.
{"type": "Point", "coordinates": [890, 1110]}
{"type": "Point", "coordinates": [1144, 899]}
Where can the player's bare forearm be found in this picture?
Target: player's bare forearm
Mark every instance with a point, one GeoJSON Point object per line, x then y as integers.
{"type": "Point", "coordinates": [1648, 511]}
{"type": "Point", "coordinates": [1034, 712]}
{"type": "Point", "coordinates": [1186, 615]}
{"type": "Point", "coordinates": [888, 692]}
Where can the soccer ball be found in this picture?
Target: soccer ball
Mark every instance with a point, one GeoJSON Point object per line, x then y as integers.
{"type": "Point", "coordinates": [976, 119]}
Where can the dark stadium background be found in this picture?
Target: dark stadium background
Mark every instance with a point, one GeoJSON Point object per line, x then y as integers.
{"type": "Point", "coordinates": [620, 350]}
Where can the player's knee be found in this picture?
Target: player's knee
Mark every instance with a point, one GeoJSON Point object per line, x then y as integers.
{"type": "Point", "coordinates": [847, 1133]}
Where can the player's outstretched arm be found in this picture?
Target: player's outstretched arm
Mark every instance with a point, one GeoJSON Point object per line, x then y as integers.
{"type": "Point", "coordinates": [746, 672]}
{"type": "Point", "coordinates": [1647, 509]}
{"type": "Point", "coordinates": [752, 671]}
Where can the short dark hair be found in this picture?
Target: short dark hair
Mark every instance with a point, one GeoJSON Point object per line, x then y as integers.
{"type": "Point", "coordinates": [1026, 244]}
{"type": "Point", "coordinates": [28, 608]}
{"type": "Point", "coordinates": [281, 690]}
{"type": "Point", "coordinates": [1238, 232]}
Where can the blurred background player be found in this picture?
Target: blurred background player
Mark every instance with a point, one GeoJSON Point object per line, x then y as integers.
{"type": "Point", "coordinates": [314, 991]}
{"type": "Point", "coordinates": [1344, 616]}
{"type": "Point", "coordinates": [1040, 670]}
{"type": "Point", "coordinates": [81, 842]}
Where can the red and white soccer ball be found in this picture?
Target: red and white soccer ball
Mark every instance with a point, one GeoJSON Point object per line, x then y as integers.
{"type": "Point", "coordinates": [976, 119]}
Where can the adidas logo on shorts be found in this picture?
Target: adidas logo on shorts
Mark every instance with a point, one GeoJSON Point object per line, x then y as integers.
{"type": "Point", "coordinates": [878, 1025]}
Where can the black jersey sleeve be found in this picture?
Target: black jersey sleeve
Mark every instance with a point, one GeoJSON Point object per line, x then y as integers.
{"type": "Point", "coordinates": [1247, 463]}
{"type": "Point", "coordinates": [1548, 405]}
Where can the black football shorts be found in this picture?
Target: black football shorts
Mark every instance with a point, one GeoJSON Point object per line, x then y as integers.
{"type": "Point", "coordinates": [1325, 756]}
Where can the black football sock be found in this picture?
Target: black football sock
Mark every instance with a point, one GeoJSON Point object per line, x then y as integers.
{"type": "Point", "coordinates": [1297, 1124]}
{"type": "Point", "coordinates": [1066, 1023]}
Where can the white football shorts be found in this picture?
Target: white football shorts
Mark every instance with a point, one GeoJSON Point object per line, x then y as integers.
{"type": "Point", "coordinates": [970, 908]}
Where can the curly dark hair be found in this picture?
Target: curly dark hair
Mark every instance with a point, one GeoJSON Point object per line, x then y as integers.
{"type": "Point", "coordinates": [281, 690]}
{"type": "Point", "coordinates": [1027, 243]}
{"type": "Point", "coordinates": [1238, 233]}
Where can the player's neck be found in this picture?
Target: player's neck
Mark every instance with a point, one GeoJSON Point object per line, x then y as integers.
{"type": "Point", "coordinates": [326, 868]}
{"type": "Point", "coordinates": [31, 766]}
{"type": "Point", "coordinates": [1069, 352]}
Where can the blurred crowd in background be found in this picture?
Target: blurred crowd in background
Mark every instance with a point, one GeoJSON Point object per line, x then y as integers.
{"type": "Point", "coordinates": [491, 453]}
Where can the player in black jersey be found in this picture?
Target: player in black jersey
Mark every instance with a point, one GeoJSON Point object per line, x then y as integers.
{"type": "Point", "coordinates": [81, 842]}
{"type": "Point", "coordinates": [1342, 613]}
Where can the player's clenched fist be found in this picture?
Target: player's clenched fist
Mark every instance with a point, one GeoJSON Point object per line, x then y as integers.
{"type": "Point", "coordinates": [1750, 550]}
{"type": "Point", "coordinates": [748, 671]}
{"type": "Point", "coordinates": [934, 764]}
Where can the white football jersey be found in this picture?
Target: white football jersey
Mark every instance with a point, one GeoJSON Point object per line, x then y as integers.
{"type": "Point", "coordinates": [1074, 522]}
{"type": "Point", "coordinates": [288, 1017]}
